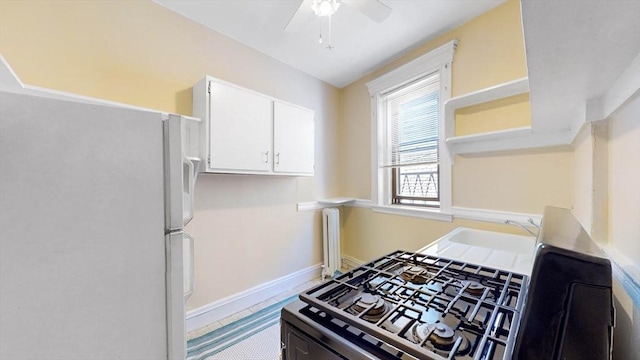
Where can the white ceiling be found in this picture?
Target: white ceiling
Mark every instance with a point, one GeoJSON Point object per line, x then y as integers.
{"type": "Point", "coordinates": [576, 50]}
{"type": "Point", "coordinates": [361, 45]}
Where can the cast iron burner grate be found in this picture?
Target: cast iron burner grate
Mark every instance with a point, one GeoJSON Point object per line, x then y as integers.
{"type": "Point", "coordinates": [427, 306]}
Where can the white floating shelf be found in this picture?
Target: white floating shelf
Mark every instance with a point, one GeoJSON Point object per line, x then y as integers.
{"type": "Point", "coordinates": [511, 88]}
{"type": "Point", "coordinates": [338, 201]}
{"type": "Point", "coordinates": [502, 140]}
{"type": "Point", "coordinates": [483, 142]}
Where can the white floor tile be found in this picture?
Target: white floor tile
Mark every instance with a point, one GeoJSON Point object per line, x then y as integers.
{"type": "Point", "coordinates": [199, 332]}
{"type": "Point", "coordinates": [237, 316]}
{"type": "Point", "coordinates": [263, 305]}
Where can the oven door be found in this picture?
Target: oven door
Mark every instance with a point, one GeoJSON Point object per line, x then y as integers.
{"type": "Point", "coordinates": [298, 346]}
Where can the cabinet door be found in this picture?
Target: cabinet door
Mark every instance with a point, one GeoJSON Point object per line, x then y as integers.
{"type": "Point", "coordinates": [293, 144]}
{"type": "Point", "coordinates": [239, 129]}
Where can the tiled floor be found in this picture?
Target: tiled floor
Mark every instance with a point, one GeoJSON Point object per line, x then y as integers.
{"type": "Point", "coordinates": [252, 309]}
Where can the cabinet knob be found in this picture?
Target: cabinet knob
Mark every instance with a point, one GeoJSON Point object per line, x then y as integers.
{"type": "Point", "coordinates": [266, 157]}
{"type": "Point", "coordinates": [277, 158]}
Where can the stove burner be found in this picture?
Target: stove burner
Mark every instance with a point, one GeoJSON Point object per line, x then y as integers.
{"type": "Point", "coordinates": [441, 335]}
{"type": "Point", "coordinates": [415, 274]}
{"type": "Point", "coordinates": [378, 307]}
{"type": "Point", "coordinates": [474, 287]}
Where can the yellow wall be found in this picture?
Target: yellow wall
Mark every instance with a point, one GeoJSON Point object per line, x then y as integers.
{"type": "Point", "coordinates": [508, 113]}
{"type": "Point", "coordinates": [140, 53]}
{"type": "Point", "coordinates": [490, 52]}
{"type": "Point", "coordinates": [523, 182]}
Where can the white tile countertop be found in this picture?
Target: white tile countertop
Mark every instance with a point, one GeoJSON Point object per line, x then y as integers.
{"type": "Point", "coordinates": [498, 250]}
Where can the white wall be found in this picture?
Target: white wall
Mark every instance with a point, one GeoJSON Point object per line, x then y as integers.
{"type": "Point", "coordinates": [583, 180]}
{"type": "Point", "coordinates": [624, 181]}
{"type": "Point", "coordinates": [607, 203]}
{"type": "Point", "coordinates": [624, 219]}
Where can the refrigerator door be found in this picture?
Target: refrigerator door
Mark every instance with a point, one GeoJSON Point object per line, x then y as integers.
{"type": "Point", "coordinates": [82, 239]}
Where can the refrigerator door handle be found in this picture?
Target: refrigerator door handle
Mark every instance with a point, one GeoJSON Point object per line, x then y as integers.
{"type": "Point", "coordinates": [179, 286]}
{"type": "Point", "coordinates": [188, 255]}
{"type": "Point", "coordinates": [190, 173]}
{"type": "Point", "coordinates": [174, 174]}
{"type": "Point", "coordinates": [174, 277]}
{"type": "Point", "coordinates": [180, 174]}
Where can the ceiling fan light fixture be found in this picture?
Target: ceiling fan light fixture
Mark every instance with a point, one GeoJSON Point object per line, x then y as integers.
{"type": "Point", "coordinates": [324, 8]}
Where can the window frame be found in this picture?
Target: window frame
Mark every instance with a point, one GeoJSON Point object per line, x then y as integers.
{"type": "Point", "coordinates": [438, 60]}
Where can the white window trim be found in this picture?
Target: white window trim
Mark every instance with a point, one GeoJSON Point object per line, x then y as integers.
{"type": "Point", "coordinates": [439, 59]}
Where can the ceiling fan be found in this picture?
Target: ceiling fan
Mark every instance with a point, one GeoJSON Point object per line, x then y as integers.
{"type": "Point", "coordinates": [374, 9]}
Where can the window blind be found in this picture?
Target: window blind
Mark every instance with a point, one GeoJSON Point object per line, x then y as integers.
{"type": "Point", "coordinates": [412, 126]}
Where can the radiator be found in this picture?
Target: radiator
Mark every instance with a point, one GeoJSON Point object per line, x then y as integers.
{"type": "Point", "coordinates": [331, 242]}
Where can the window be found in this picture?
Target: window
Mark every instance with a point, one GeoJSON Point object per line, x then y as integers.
{"type": "Point", "coordinates": [411, 170]}
{"type": "Point", "coordinates": [411, 141]}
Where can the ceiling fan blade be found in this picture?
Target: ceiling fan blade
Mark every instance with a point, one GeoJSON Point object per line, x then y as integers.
{"type": "Point", "coordinates": [299, 17]}
{"type": "Point", "coordinates": [374, 9]}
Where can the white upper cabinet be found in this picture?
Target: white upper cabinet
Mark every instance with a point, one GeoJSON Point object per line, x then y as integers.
{"type": "Point", "coordinates": [292, 139]}
{"type": "Point", "coordinates": [239, 129]}
{"type": "Point", "coordinates": [245, 132]}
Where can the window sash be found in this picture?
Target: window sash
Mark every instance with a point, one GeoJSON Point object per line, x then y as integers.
{"type": "Point", "coordinates": [412, 123]}
{"type": "Point", "coordinates": [416, 185]}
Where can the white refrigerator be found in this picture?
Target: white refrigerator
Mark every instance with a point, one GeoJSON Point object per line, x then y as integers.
{"type": "Point", "coordinates": [94, 261]}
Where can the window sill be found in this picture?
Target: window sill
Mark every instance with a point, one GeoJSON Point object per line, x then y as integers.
{"type": "Point", "coordinates": [431, 214]}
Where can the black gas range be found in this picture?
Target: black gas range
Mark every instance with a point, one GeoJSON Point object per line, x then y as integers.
{"type": "Point", "coordinates": [407, 305]}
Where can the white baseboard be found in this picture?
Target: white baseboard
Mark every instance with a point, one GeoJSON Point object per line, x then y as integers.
{"type": "Point", "coordinates": [217, 310]}
{"type": "Point", "coordinates": [349, 262]}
